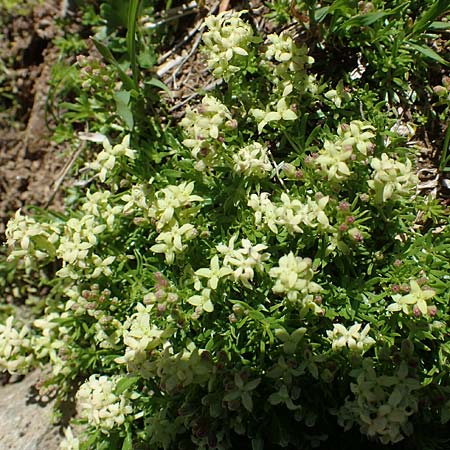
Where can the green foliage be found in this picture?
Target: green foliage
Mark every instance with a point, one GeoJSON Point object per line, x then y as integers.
{"type": "Point", "coordinates": [262, 275]}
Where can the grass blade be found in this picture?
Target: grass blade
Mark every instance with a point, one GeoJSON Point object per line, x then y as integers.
{"type": "Point", "coordinates": [131, 38]}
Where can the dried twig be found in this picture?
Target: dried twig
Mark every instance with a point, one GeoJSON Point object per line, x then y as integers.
{"type": "Point", "coordinates": [179, 44]}
{"type": "Point", "coordinates": [186, 58]}
{"type": "Point", "coordinates": [180, 62]}
{"type": "Point", "coordinates": [277, 171]}
{"type": "Point", "coordinates": [65, 170]}
{"type": "Point", "coordinates": [207, 88]}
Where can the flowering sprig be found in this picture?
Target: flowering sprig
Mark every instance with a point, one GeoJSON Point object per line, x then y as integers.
{"type": "Point", "coordinates": [391, 179]}
{"type": "Point", "coordinates": [31, 240]}
{"type": "Point", "coordinates": [416, 302]}
{"type": "Point", "coordinates": [227, 43]}
{"type": "Point", "coordinates": [288, 63]}
{"type": "Point", "coordinates": [293, 277]}
{"type": "Point", "coordinates": [292, 213]}
{"type": "Point", "coordinates": [173, 203]}
{"type": "Point", "coordinates": [214, 273]}
{"type": "Point", "coordinates": [253, 160]}
{"type": "Point", "coordinates": [140, 336]}
{"type": "Point", "coordinates": [352, 338]}
{"type": "Point", "coordinates": [15, 347]}
{"type": "Point", "coordinates": [243, 261]}
{"type": "Point", "coordinates": [174, 241]}
{"type": "Point", "coordinates": [100, 406]}
{"type": "Point", "coordinates": [383, 404]}
{"type": "Point", "coordinates": [204, 126]}
{"type": "Point", "coordinates": [106, 159]}
{"type": "Point", "coordinates": [273, 113]}
{"type": "Point", "coordinates": [354, 144]}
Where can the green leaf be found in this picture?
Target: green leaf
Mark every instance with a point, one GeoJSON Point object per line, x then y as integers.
{"type": "Point", "coordinates": [109, 57]}
{"type": "Point", "coordinates": [123, 107]}
{"type": "Point", "coordinates": [125, 383]}
{"type": "Point", "coordinates": [364, 20]}
{"type": "Point", "coordinates": [439, 26]}
{"type": "Point", "coordinates": [445, 413]}
{"type": "Point", "coordinates": [247, 401]}
{"type": "Point", "coordinates": [159, 84]}
{"type": "Point", "coordinates": [438, 8]}
{"type": "Point", "coordinates": [115, 14]}
{"type": "Point", "coordinates": [131, 38]}
{"type": "Point", "coordinates": [258, 443]}
{"type": "Point", "coordinates": [128, 442]}
{"type": "Point", "coordinates": [428, 52]}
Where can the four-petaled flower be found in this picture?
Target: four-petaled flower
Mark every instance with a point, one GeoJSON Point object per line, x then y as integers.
{"type": "Point", "coordinates": [214, 273]}
{"type": "Point", "coordinates": [416, 299]}
{"type": "Point", "coordinates": [202, 301]}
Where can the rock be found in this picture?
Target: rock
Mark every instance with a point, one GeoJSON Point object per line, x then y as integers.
{"type": "Point", "coordinates": [26, 423]}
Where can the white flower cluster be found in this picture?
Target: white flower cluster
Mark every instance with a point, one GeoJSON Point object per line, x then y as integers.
{"type": "Point", "coordinates": [243, 261]}
{"type": "Point", "coordinates": [391, 179]}
{"type": "Point", "coordinates": [226, 43]}
{"type": "Point", "coordinates": [203, 126]}
{"type": "Point", "coordinates": [15, 348]}
{"type": "Point", "coordinates": [383, 404]}
{"type": "Point", "coordinates": [274, 112]}
{"type": "Point", "coordinates": [135, 198]}
{"type": "Point", "coordinates": [416, 302]}
{"type": "Point", "coordinates": [352, 338]}
{"type": "Point", "coordinates": [75, 248]}
{"type": "Point", "coordinates": [172, 207]}
{"type": "Point", "coordinates": [291, 213]}
{"type": "Point", "coordinates": [30, 239]}
{"type": "Point", "coordinates": [293, 277]}
{"type": "Point", "coordinates": [69, 442]}
{"type": "Point", "coordinates": [189, 366]}
{"type": "Point", "coordinates": [290, 65]}
{"type": "Point", "coordinates": [100, 406]}
{"type": "Point", "coordinates": [253, 160]}
{"type": "Point", "coordinates": [106, 159]}
{"type": "Point", "coordinates": [99, 204]}
{"type": "Point", "coordinates": [140, 337]}
{"type": "Point", "coordinates": [173, 203]}
{"type": "Point", "coordinates": [354, 143]}
{"type": "Point", "coordinates": [50, 343]}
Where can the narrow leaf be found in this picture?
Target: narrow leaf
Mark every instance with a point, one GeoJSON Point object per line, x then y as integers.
{"type": "Point", "coordinates": [438, 8]}
{"type": "Point", "coordinates": [131, 37]}
{"type": "Point", "coordinates": [123, 108]}
{"type": "Point", "coordinates": [124, 383]}
{"type": "Point", "coordinates": [109, 57]}
{"type": "Point", "coordinates": [429, 53]}
{"type": "Point", "coordinates": [159, 84]}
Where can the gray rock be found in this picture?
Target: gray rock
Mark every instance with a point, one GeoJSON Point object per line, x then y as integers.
{"type": "Point", "coordinates": [26, 423]}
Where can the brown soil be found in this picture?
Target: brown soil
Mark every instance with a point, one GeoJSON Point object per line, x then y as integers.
{"type": "Point", "coordinates": [29, 166]}
{"type": "Point", "coordinates": [29, 163]}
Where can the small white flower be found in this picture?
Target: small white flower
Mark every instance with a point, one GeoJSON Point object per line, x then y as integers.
{"type": "Point", "coordinates": [214, 273]}
{"type": "Point", "coordinates": [253, 160]}
{"type": "Point", "coordinates": [391, 179]}
{"type": "Point", "coordinates": [352, 337]}
{"type": "Point", "coordinates": [15, 348]}
{"type": "Point", "coordinates": [70, 442]}
{"type": "Point", "coordinates": [106, 159]}
{"type": "Point", "coordinates": [100, 406]}
{"type": "Point", "coordinates": [293, 277]}
{"type": "Point", "coordinates": [173, 242]}
{"type": "Point", "coordinates": [244, 260]}
{"type": "Point", "coordinates": [226, 42]}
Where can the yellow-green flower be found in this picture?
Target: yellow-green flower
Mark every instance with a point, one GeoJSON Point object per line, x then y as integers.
{"type": "Point", "coordinates": [214, 273]}
{"type": "Point", "coordinates": [202, 301]}
{"type": "Point", "coordinates": [417, 298]}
